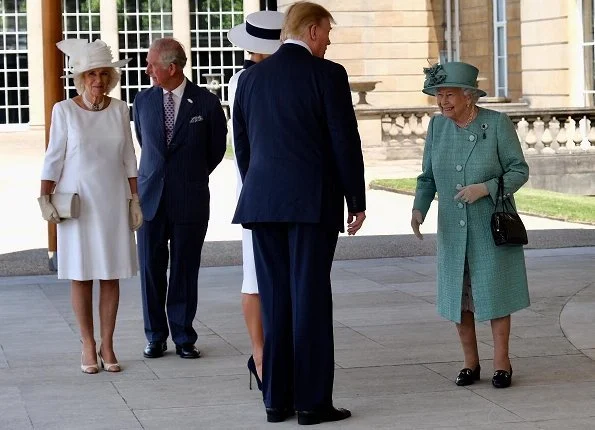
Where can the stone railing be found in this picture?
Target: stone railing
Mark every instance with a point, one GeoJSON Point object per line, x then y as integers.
{"type": "Point", "coordinates": [541, 131]}
{"type": "Point", "coordinates": [559, 143]}
{"type": "Point", "coordinates": [555, 131]}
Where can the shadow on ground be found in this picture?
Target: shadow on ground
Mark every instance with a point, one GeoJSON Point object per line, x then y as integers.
{"type": "Point", "coordinates": [229, 253]}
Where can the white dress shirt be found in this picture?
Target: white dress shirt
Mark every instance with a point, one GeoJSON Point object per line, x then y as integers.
{"type": "Point", "coordinates": [177, 96]}
{"type": "Point", "coordinates": [299, 42]}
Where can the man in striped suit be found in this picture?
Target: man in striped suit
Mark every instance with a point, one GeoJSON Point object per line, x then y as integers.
{"type": "Point", "coordinates": [181, 129]}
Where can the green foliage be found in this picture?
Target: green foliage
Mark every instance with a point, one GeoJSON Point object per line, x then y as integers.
{"type": "Point", "coordinates": [543, 203]}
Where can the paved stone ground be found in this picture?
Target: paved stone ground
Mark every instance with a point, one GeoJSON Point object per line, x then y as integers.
{"type": "Point", "coordinates": [395, 358]}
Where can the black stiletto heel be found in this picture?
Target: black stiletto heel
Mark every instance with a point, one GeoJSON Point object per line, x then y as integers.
{"type": "Point", "coordinates": [252, 371]}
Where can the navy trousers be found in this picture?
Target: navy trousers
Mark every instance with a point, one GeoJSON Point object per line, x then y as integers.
{"type": "Point", "coordinates": [181, 298]}
{"type": "Point", "coordinates": [293, 265]}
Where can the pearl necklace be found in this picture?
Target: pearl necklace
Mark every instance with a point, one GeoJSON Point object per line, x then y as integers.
{"type": "Point", "coordinates": [472, 116]}
{"type": "Point", "coordinates": [93, 106]}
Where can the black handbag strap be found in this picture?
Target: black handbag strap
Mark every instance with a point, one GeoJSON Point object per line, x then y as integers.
{"type": "Point", "coordinates": [506, 203]}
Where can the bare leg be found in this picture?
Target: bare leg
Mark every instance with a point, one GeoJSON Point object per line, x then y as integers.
{"type": "Point", "coordinates": [109, 298]}
{"type": "Point", "coordinates": [501, 334]}
{"type": "Point", "coordinates": [468, 339]}
{"type": "Point", "coordinates": [251, 308]}
{"type": "Point", "coordinates": [81, 293]}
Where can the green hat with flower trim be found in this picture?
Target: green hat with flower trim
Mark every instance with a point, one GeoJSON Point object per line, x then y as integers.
{"type": "Point", "coordinates": [453, 74]}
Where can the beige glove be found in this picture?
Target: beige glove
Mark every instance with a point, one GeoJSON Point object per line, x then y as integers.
{"type": "Point", "coordinates": [135, 212]}
{"type": "Point", "coordinates": [48, 211]}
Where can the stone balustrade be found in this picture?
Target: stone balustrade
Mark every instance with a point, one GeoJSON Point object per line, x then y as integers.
{"type": "Point", "coordinates": [559, 143]}
{"type": "Point", "coordinates": [541, 131]}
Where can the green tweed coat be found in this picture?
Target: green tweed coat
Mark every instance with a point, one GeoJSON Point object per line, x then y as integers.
{"type": "Point", "coordinates": [455, 157]}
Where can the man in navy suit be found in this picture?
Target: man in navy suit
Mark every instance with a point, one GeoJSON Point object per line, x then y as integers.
{"type": "Point", "coordinates": [299, 154]}
{"type": "Point", "coordinates": [182, 131]}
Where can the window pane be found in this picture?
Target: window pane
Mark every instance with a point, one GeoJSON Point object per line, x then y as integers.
{"type": "Point", "coordinates": [501, 10]}
{"type": "Point", "coordinates": [501, 42]}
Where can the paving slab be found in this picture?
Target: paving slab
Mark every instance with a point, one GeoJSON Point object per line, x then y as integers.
{"type": "Point", "coordinates": [396, 359]}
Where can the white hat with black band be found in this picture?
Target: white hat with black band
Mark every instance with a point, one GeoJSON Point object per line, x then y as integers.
{"type": "Point", "coordinates": [260, 33]}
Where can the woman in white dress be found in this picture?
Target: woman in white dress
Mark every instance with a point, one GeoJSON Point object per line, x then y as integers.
{"type": "Point", "coordinates": [91, 153]}
{"type": "Point", "coordinates": [260, 36]}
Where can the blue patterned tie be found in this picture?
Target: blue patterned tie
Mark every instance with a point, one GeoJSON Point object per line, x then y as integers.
{"type": "Point", "coordinates": [168, 108]}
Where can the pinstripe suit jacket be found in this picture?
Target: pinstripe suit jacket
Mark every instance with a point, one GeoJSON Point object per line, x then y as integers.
{"type": "Point", "coordinates": [296, 140]}
{"type": "Point", "coordinates": [455, 157]}
{"type": "Point", "coordinates": [179, 172]}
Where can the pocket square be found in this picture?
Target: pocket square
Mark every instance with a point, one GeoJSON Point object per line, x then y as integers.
{"type": "Point", "coordinates": [195, 119]}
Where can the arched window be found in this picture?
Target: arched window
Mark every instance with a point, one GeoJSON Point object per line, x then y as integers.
{"type": "Point", "coordinates": [80, 20]}
{"type": "Point", "coordinates": [14, 66]}
{"type": "Point", "coordinates": [139, 23]}
{"type": "Point", "coordinates": [214, 58]}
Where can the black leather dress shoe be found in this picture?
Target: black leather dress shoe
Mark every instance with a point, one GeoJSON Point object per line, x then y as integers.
{"type": "Point", "coordinates": [155, 349]}
{"type": "Point", "coordinates": [307, 418]}
{"type": "Point", "coordinates": [502, 378]}
{"type": "Point", "coordinates": [467, 376]}
{"type": "Point", "coordinates": [275, 415]}
{"type": "Point", "coordinates": [187, 350]}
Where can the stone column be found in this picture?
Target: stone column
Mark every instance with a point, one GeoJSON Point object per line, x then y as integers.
{"type": "Point", "coordinates": [181, 24]}
{"type": "Point", "coordinates": [108, 22]}
{"type": "Point", "coordinates": [251, 6]}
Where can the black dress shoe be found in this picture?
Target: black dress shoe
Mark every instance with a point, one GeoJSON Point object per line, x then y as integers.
{"type": "Point", "coordinates": [467, 376]}
{"type": "Point", "coordinates": [187, 350]}
{"type": "Point", "coordinates": [307, 418]}
{"type": "Point", "coordinates": [275, 415]}
{"type": "Point", "coordinates": [502, 378]}
{"type": "Point", "coordinates": [155, 349]}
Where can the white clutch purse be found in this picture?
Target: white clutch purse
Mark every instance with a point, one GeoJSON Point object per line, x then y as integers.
{"type": "Point", "coordinates": [68, 205]}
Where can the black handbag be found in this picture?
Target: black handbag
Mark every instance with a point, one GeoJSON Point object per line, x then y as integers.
{"type": "Point", "coordinates": [507, 226]}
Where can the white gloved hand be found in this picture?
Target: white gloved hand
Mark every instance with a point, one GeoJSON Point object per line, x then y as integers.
{"type": "Point", "coordinates": [416, 221]}
{"type": "Point", "coordinates": [135, 212]}
{"type": "Point", "coordinates": [48, 211]}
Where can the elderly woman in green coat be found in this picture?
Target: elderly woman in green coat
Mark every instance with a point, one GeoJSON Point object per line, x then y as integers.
{"type": "Point", "coordinates": [467, 149]}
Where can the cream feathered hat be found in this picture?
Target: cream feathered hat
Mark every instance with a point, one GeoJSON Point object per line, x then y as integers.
{"type": "Point", "coordinates": [84, 55]}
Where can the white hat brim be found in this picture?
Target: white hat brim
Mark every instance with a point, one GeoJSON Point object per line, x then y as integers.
{"type": "Point", "coordinates": [239, 37]}
{"type": "Point", "coordinates": [119, 63]}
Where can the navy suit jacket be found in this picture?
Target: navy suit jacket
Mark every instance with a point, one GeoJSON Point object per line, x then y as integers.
{"type": "Point", "coordinates": [179, 172]}
{"type": "Point", "coordinates": [296, 141]}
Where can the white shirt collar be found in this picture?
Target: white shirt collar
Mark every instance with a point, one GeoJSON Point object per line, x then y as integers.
{"type": "Point", "coordinates": [299, 42]}
{"type": "Point", "coordinates": [179, 92]}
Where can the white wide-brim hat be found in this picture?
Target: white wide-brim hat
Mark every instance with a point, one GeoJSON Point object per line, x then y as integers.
{"type": "Point", "coordinates": [260, 33]}
{"type": "Point", "coordinates": [84, 55]}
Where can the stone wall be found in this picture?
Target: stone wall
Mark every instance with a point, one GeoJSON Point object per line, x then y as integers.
{"type": "Point", "coordinates": [388, 41]}
{"type": "Point", "coordinates": [546, 34]}
{"type": "Point", "coordinates": [477, 43]}
{"type": "Point", "coordinates": [572, 173]}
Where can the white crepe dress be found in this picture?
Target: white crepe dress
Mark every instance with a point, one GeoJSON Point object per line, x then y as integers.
{"type": "Point", "coordinates": [249, 283]}
{"type": "Point", "coordinates": [92, 154]}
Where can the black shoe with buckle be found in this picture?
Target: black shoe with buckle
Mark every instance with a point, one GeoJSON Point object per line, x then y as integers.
{"type": "Point", "coordinates": [278, 415]}
{"type": "Point", "coordinates": [187, 350]}
{"type": "Point", "coordinates": [502, 378]}
{"type": "Point", "coordinates": [307, 418]}
{"type": "Point", "coordinates": [155, 349]}
{"type": "Point", "coordinates": [467, 376]}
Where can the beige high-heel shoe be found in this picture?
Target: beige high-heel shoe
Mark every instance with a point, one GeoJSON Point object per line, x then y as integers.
{"type": "Point", "coordinates": [108, 367]}
{"type": "Point", "coordinates": [89, 368]}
